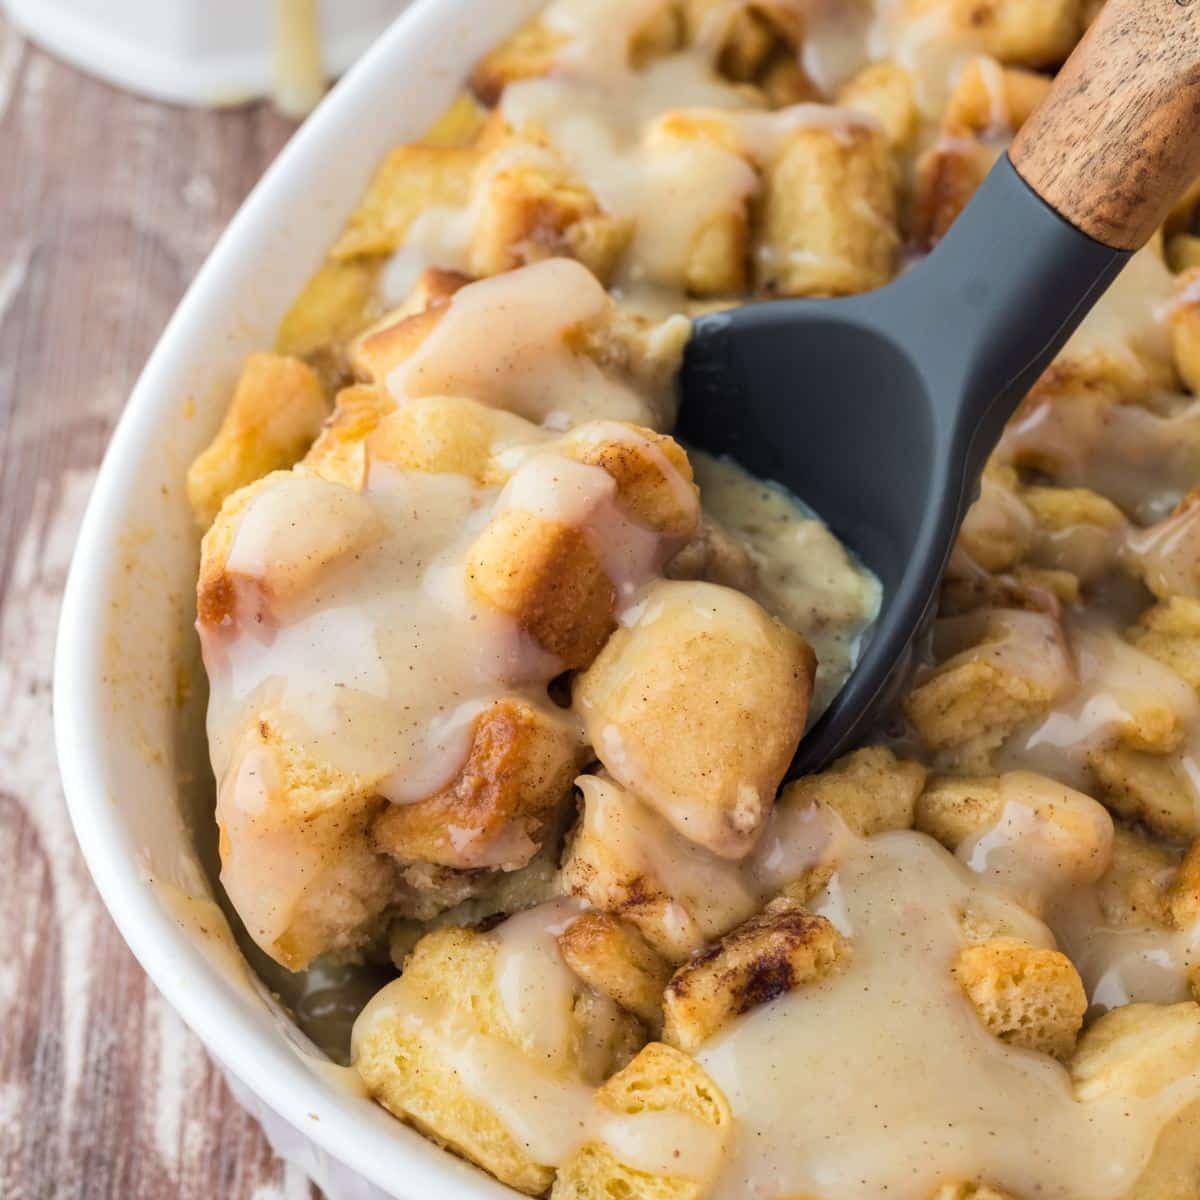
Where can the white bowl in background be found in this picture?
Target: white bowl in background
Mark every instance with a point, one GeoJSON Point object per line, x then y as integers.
{"type": "Point", "coordinates": [128, 725]}
{"type": "Point", "coordinates": [206, 52]}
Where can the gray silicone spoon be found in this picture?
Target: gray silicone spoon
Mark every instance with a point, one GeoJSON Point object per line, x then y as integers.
{"type": "Point", "coordinates": [880, 410]}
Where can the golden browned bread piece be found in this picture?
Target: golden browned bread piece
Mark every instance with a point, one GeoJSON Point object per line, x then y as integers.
{"type": "Point", "coordinates": [659, 1080]}
{"type": "Point", "coordinates": [536, 209]}
{"type": "Point", "coordinates": [405, 1040]}
{"type": "Point", "coordinates": [810, 244]}
{"type": "Point", "coordinates": [411, 179]}
{"type": "Point", "coordinates": [1025, 995]}
{"type": "Point", "coordinates": [296, 857]}
{"type": "Point", "coordinates": [613, 959]}
{"type": "Point", "coordinates": [745, 40]}
{"type": "Point", "coordinates": [337, 304]}
{"type": "Point", "coordinates": [1142, 1050]}
{"type": "Point", "coordinates": [948, 175]}
{"type": "Point", "coordinates": [530, 52]}
{"type": "Point", "coordinates": [991, 99]}
{"type": "Point", "coordinates": [887, 92]}
{"type": "Point", "coordinates": [871, 790]}
{"type": "Point", "coordinates": [971, 1191]}
{"type": "Point", "coordinates": [388, 341]}
{"type": "Point", "coordinates": [655, 485]}
{"type": "Point", "coordinates": [1151, 788]}
{"type": "Point", "coordinates": [697, 705]}
{"type": "Point", "coordinates": [276, 412]}
{"type": "Point", "coordinates": [339, 453]}
{"type": "Point", "coordinates": [391, 340]}
{"type": "Point", "coordinates": [547, 576]}
{"type": "Point", "coordinates": [1011, 667]}
{"type": "Point", "coordinates": [687, 146]}
{"type": "Point", "coordinates": [1185, 329]}
{"type": "Point", "coordinates": [1170, 633]}
{"type": "Point", "coordinates": [1028, 33]}
{"type": "Point", "coordinates": [1137, 1050]}
{"type": "Point", "coordinates": [498, 808]}
{"type": "Point", "coordinates": [784, 947]}
{"type": "Point", "coordinates": [998, 529]}
{"type": "Point", "coordinates": [615, 859]}
{"type": "Point", "coordinates": [226, 597]}
{"type": "Point", "coordinates": [1062, 836]}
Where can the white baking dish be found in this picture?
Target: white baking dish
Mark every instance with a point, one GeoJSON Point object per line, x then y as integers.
{"type": "Point", "coordinates": [129, 729]}
{"type": "Point", "coordinates": [191, 51]}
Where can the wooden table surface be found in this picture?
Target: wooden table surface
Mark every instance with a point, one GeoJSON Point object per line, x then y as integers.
{"type": "Point", "coordinates": [108, 205]}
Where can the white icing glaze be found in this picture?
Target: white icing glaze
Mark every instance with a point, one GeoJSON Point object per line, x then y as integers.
{"type": "Point", "coordinates": [881, 1079]}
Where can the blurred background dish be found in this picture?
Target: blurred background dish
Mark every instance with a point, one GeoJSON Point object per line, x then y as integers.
{"type": "Point", "coordinates": [209, 52]}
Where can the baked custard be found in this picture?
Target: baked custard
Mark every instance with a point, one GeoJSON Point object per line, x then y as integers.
{"type": "Point", "coordinates": [505, 680]}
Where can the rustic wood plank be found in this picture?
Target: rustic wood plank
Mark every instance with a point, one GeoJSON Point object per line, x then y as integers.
{"type": "Point", "coordinates": [108, 206]}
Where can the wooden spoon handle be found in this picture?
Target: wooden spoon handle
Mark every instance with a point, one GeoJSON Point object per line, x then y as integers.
{"type": "Point", "coordinates": [1117, 140]}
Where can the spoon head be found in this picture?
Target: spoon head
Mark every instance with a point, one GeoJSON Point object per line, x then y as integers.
{"type": "Point", "coordinates": [816, 396]}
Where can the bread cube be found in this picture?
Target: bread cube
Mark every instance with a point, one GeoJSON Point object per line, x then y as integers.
{"type": "Point", "coordinates": [970, 1191]}
{"type": "Point", "coordinates": [1060, 838]}
{"type": "Point", "coordinates": [955, 808]}
{"type": "Point", "coordinates": [1123, 343]}
{"type": "Point", "coordinates": [704, 248]}
{"type": "Point", "coordinates": [498, 809]}
{"type": "Point", "coordinates": [886, 91]}
{"type": "Point", "coordinates": [1134, 891]}
{"type": "Point", "coordinates": [393, 339]}
{"type": "Point", "coordinates": [444, 434]}
{"type": "Point", "coordinates": [743, 38]}
{"type": "Point", "coordinates": [1136, 1051]}
{"type": "Point", "coordinates": [336, 304]}
{"type": "Point", "coordinates": [1062, 423]}
{"type": "Point", "coordinates": [697, 705]}
{"type": "Point", "coordinates": [655, 484]}
{"type": "Point", "coordinates": [460, 125]}
{"type": "Point", "coordinates": [529, 53]}
{"type": "Point", "coordinates": [534, 209]}
{"type": "Point", "coordinates": [296, 859]}
{"type": "Point", "coordinates": [1166, 556]}
{"type": "Point", "coordinates": [405, 1042]}
{"type": "Point", "coordinates": [1078, 530]}
{"type": "Point", "coordinates": [948, 175]}
{"type": "Point", "coordinates": [276, 412]}
{"type": "Point", "coordinates": [1152, 788]}
{"type": "Point", "coordinates": [871, 790]}
{"type": "Point", "coordinates": [612, 958]}
{"type": "Point", "coordinates": [1170, 633]}
{"type": "Point", "coordinates": [1025, 33]}
{"type": "Point", "coordinates": [998, 529]}
{"type": "Point", "coordinates": [659, 1080]}
{"type": "Point", "coordinates": [614, 862]}
{"type": "Point", "coordinates": [1002, 668]}
{"type": "Point", "coordinates": [1185, 329]}
{"type": "Point", "coordinates": [1183, 892]}
{"type": "Point", "coordinates": [829, 221]}
{"type": "Point", "coordinates": [1025, 995]}
{"type": "Point", "coordinates": [783, 948]}
{"type": "Point", "coordinates": [548, 577]}
{"type": "Point", "coordinates": [990, 100]}
{"type": "Point", "coordinates": [410, 180]}
{"type": "Point", "coordinates": [240, 583]}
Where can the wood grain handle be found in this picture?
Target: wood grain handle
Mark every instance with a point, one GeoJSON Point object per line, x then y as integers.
{"type": "Point", "coordinates": [1117, 140]}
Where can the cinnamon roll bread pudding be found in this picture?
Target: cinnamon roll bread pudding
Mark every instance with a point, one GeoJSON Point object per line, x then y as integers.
{"type": "Point", "coordinates": [505, 681]}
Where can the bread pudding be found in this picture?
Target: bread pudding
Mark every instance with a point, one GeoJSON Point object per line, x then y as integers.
{"type": "Point", "coordinates": [505, 681]}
